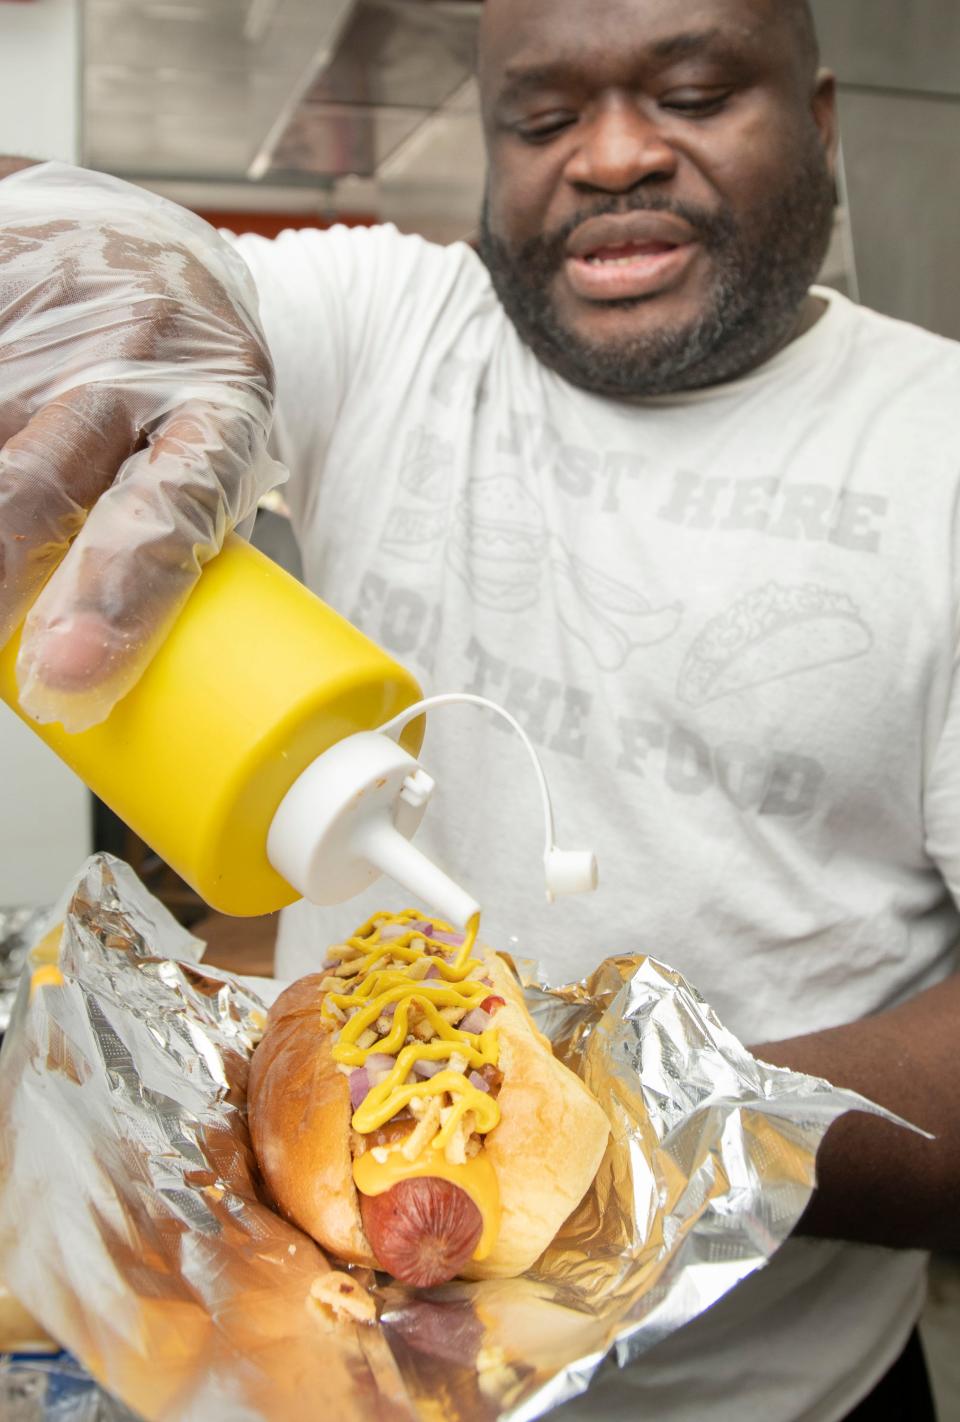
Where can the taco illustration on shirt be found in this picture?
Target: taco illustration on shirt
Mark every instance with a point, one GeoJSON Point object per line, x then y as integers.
{"type": "Point", "coordinates": [771, 633]}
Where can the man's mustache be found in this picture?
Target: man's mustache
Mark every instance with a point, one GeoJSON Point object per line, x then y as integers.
{"type": "Point", "coordinates": [548, 249]}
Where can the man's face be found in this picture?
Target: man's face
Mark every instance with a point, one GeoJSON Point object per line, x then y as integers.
{"type": "Point", "coordinates": [660, 194]}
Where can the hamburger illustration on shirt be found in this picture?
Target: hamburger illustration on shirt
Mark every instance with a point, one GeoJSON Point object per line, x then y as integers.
{"type": "Point", "coordinates": [499, 544]}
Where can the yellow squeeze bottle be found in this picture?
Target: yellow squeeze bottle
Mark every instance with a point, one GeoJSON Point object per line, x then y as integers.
{"type": "Point", "coordinates": [248, 757]}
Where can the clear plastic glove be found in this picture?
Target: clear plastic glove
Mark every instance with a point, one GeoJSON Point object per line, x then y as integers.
{"type": "Point", "coordinates": [136, 395]}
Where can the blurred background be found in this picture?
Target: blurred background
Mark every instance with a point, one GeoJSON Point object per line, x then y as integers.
{"type": "Point", "coordinates": [265, 114]}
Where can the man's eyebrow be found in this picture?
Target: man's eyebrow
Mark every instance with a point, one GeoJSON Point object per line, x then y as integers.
{"type": "Point", "coordinates": [689, 42]}
{"type": "Point", "coordinates": [519, 81]}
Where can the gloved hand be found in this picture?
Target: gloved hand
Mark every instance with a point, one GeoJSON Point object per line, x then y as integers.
{"type": "Point", "coordinates": [136, 396]}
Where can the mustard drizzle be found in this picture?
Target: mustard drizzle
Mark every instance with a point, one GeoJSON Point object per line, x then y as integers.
{"type": "Point", "coordinates": [377, 988]}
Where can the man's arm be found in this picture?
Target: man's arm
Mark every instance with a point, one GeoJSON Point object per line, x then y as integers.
{"type": "Point", "coordinates": [878, 1183]}
{"type": "Point", "coordinates": [15, 165]}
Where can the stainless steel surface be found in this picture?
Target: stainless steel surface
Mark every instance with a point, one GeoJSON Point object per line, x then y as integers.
{"type": "Point", "coordinates": [898, 62]}
{"type": "Point", "coordinates": [279, 90]}
{"type": "Point", "coordinates": [398, 63]}
{"type": "Point", "coordinates": [903, 170]}
{"type": "Point", "coordinates": [332, 140]}
{"type": "Point", "coordinates": [185, 86]}
{"type": "Point", "coordinates": [893, 44]}
{"type": "Point", "coordinates": [402, 54]}
{"type": "Point", "coordinates": [131, 1225]}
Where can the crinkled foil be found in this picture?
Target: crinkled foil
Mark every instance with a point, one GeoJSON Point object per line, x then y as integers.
{"type": "Point", "coordinates": [132, 1223]}
{"type": "Point", "coordinates": [19, 930]}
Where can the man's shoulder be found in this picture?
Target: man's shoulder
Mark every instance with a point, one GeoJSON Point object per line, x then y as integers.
{"type": "Point", "coordinates": [370, 245]}
{"type": "Point", "coordinates": [377, 276]}
{"type": "Point", "coordinates": [906, 339]}
{"type": "Point", "coordinates": [899, 371]}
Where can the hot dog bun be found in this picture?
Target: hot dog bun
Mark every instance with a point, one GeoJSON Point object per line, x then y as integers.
{"type": "Point", "coordinates": [545, 1148]}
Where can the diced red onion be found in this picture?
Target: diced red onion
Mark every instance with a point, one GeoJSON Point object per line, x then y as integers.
{"type": "Point", "coordinates": [359, 1086]}
{"type": "Point", "coordinates": [379, 1061]}
{"type": "Point", "coordinates": [475, 1021]}
{"type": "Point", "coordinates": [427, 1069]}
{"type": "Point", "coordinates": [478, 1081]}
{"type": "Point", "coordinates": [389, 931]}
{"type": "Point", "coordinates": [434, 972]}
{"type": "Point", "coordinates": [452, 940]}
{"type": "Point", "coordinates": [389, 1010]}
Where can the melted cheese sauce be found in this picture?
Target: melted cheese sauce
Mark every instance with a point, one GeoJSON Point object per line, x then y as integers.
{"type": "Point", "coordinates": [477, 1178]}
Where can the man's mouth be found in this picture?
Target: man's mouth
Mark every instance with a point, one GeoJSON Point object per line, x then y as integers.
{"type": "Point", "coordinates": [622, 258]}
{"type": "Point", "coordinates": [627, 253]}
{"type": "Point", "coordinates": [628, 273]}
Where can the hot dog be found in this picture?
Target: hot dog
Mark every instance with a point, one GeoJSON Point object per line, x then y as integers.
{"type": "Point", "coordinates": [407, 1114]}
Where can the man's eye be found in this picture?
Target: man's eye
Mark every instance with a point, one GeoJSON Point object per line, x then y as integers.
{"type": "Point", "coordinates": [541, 130]}
{"type": "Point", "coordinates": [698, 104]}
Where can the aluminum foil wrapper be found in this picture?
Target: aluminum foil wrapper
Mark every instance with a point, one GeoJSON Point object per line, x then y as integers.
{"type": "Point", "coordinates": [19, 930]}
{"type": "Point", "coordinates": [133, 1224]}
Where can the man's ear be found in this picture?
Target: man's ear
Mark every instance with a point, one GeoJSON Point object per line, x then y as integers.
{"type": "Point", "coordinates": [825, 116]}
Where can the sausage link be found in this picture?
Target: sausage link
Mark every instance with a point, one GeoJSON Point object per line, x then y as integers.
{"type": "Point", "coordinates": [422, 1231]}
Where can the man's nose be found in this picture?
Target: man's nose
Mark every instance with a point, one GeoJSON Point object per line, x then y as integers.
{"type": "Point", "coordinates": [621, 147]}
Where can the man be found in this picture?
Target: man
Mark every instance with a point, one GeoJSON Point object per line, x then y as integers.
{"type": "Point", "coordinates": [693, 521]}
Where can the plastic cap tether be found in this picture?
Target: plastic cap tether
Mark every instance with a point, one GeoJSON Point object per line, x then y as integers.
{"type": "Point", "coordinates": [349, 818]}
{"type": "Point", "coordinates": [567, 871]}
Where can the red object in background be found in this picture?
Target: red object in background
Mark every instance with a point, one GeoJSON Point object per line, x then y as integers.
{"type": "Point", "coordinates": [270, 224]}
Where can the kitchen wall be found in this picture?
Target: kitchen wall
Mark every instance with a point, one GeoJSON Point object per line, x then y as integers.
{"type": "Point", "coordinates": [898, 62]}
{"type": "Point", "coordinates": [40, 93]}
{"type": "Point", "coordinates": [44, 810]}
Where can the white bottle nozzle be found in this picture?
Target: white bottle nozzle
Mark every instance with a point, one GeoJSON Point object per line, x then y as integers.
{"type": "Point", "coordinates": [385, 847]}
{"type": "Point", "coordinates": [348, 819]}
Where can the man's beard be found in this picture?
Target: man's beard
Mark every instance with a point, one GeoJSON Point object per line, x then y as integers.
{"type": "Point", "coordinates": [761, 278]}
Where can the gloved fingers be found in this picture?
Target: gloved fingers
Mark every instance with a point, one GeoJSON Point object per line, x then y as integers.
{"type": "Point", "coordinates": [113, 599]}
{"type": "Point", "coordinates": [51, 472]}
{"type": "Point", "coordinates": [116, 294]}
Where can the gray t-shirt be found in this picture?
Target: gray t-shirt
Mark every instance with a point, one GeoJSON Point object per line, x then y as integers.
{"type": "Point", "coordinates": [728, 620]}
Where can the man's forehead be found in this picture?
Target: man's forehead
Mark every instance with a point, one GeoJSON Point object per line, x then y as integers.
{"type": "Point", "coordinates": [519, 33]}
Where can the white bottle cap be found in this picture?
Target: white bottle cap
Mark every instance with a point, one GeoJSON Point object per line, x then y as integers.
{"type": "Point", "coordinates": [570, 871]}
{"type": "Point", "coordinates": [349, 818]}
